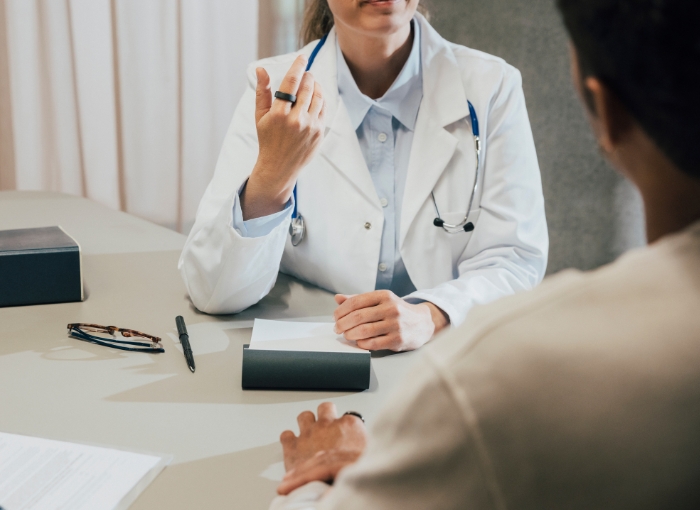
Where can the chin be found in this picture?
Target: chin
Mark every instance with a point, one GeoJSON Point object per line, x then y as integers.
{"type": "Point", "coordinates": [385, 16]}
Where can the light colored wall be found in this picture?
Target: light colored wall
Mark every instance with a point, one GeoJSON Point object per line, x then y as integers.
{"type": "Point", "coordinates": [593, 215]}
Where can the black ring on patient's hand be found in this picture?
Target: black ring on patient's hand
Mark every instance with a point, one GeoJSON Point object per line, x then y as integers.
{"type": "Point", "coordinates": [286, 97]}
{"type": "Point", "coordinates": [355, 414]}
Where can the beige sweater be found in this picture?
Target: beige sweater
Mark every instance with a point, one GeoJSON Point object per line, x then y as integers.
{"type": "Point", "coordinates": [584, 393]}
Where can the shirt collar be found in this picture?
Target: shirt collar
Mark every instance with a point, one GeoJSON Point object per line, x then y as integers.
{"type": "Point", "coordinates": [402, 99]}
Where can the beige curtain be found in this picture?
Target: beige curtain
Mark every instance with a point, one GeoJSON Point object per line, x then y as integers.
{"type": "Point", "coordinates": [125, 102]}
{"type": "Point", "coordinates": [280, 25]}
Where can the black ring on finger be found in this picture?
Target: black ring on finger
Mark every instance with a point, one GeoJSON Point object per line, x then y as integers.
{"type": "Point", "coordinates": [356, 414]}
{"type": "Point", "coordinates": [286, 97]}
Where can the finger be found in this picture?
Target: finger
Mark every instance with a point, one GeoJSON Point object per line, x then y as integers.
{"type": "Point", "coordinates": [360, 301]}
{"type": "Point", "coordinates": [353, 420]}
{"type": "Point", "coordinates": [341, 298]}
{"type": "Point", "coordinates": [289, 444]}
{"type": "Point", "coordinates": [379, 343]}
{"type": "Point", "coordinates": [305, 92]}
{"type": "Point", "coordinates": [316, 468]}
{"type": "Point", "coordinates": [327, 412]}
{"type": "Point", "coordinates": [367, 331]}
{"type": "Point", "coordinates": [305, 419]}
{"type": "Point", "coordinates": [322, 117]}
{"type": "Point", "coordinates": [290, 82]}
{"type": "Point", "coordinates": [358, 317]}
{"type": "Point", "coordinates": [316, 106]}
{"type": "Point", "coordinates": [263, 94]}
{"type": "Point", "coordinates": [287, 438]}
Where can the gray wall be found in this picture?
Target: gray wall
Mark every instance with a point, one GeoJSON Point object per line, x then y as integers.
{"type": "Point", "coordinates": [593, 214]}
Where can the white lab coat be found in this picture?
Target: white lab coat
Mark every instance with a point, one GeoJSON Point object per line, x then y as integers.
{"type": "Point", "coordinates": [506, 253]}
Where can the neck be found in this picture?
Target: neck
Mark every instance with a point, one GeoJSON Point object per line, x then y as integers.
{"type": "Point", "coordinates": [673, 209]}
{"type": "Point", "coordinates": [671, 197]}
{"type": "Point", "coordinates": [375, 62]}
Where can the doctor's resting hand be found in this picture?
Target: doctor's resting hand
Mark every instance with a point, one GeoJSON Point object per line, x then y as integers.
{"type": "Point", "coordinates": [288, 135]}
{"type": "Point", "coordinates": [324, 447]}
{"type": "Point", "coordinates": [381, 320]}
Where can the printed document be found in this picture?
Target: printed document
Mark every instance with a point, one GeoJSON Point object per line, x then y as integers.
{"type": "Point", "coordinates": [41, 474]}
{"type": "Point", "coordinates": [299, 336]}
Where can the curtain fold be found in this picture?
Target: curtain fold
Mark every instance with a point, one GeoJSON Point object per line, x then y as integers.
{"type": "Point", "coordinates": [7, 144]}
{"type": "Point", "coordinates": [125, 102]}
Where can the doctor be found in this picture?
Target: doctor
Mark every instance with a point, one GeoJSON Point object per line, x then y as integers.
{"type": "Point", "coordinates": [400, 199]}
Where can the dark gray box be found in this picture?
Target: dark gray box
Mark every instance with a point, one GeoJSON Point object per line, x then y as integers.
{"type": "Point", "coordinates": [295, 370]}
{"type": "Point", "coordinates": [39, 266]}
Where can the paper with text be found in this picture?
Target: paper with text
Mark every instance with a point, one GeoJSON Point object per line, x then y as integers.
{"type": "Point", "coordinates": [299, 336]}
{"type": "Point", "coordinates": [41, 474]}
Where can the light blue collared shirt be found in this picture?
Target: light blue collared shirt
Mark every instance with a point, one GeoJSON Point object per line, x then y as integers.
{"type": "Point", "coordinates": [384, 130]}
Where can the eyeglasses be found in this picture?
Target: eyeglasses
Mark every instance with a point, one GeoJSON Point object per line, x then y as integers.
{"type": "Point", "coordinates": [78, 330]}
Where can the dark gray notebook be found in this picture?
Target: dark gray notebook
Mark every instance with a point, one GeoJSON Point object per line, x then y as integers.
{"type": "Point", "coordinates": [39, 266]}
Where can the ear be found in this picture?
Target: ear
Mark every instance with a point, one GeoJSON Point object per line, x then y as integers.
{"type": "Point", "coordinates": [611, 121]}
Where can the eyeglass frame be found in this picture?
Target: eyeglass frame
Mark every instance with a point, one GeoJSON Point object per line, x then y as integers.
{"type": "Point", "coordinates": [76, 330]}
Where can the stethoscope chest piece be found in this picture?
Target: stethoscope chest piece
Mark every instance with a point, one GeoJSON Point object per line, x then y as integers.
{"type": "Point", "coordinates": [296, 230]}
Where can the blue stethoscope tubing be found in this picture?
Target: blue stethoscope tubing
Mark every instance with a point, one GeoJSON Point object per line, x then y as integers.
{"type": "Point", "coordinates": [297, 227]}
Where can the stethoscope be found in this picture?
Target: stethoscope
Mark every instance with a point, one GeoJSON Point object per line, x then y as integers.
{"type": "Point", "coordinates": [297, 228]}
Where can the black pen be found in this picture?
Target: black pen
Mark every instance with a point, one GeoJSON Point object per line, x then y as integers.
{"type": "Point", "coordinates": [185, 341]}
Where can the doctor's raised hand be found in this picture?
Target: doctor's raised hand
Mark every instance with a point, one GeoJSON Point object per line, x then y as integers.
{"type": "Point", "coordinates": [288, 133]}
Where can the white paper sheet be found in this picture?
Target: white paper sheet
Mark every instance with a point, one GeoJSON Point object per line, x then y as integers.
{"type": "Point", "coordinates": [299, 336]}
{"type": "Point", "coordinates": [41, 474]}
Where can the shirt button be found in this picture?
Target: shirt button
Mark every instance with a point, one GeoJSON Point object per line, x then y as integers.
{"type": "Point", "coordinates": [384, 202]}
{"type": "Point", "coordinates": [368, 225]}
{"type": "Point", "coordinates": [382, 267]}
{"type": "Point", "coordinates": [381, 137]}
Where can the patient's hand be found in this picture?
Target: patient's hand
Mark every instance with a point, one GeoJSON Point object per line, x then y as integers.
{"type": "Point", "coordinates": [323, 448]}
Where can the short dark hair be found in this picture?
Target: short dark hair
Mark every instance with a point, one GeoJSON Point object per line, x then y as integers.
{"type": "Point", "coordinates": [648, 53]}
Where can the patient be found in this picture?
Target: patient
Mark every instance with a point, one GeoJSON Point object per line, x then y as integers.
{"type": "Point", "coordinates": [584, 393]}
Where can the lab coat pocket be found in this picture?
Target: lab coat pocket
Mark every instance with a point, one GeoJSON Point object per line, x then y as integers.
{"type": "Point", "coordinates": [458, 242]}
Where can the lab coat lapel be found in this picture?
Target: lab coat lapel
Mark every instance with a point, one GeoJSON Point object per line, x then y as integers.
{"type": "Point", "coordinates": [444, 102]}
{"type": "Point", "coordinates": [340, 148]}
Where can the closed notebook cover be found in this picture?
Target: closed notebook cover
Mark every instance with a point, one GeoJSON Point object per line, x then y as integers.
{"type": "Point", "coordinates": [39, 266]}
{"type": "Point", "coordinates": [297, 370]}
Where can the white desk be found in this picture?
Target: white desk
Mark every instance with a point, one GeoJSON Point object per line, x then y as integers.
{"type": "Point", "coordinates": [224, 440]}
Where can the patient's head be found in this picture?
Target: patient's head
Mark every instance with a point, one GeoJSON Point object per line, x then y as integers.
{"type": "Point", "coordinates": [637, 66]}
{"type": "Point", "coordinates": [648, 53]}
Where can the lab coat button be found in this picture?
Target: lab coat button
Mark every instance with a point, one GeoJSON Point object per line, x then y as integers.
{"type": "Point", "coordinates": [382, 137]}
{"type": "Point", "coordinates": [384, 202]}
{"type": "Point", "coordinates": [382, 267]}
{"type": "Point", "coordinates": [368, 225]}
